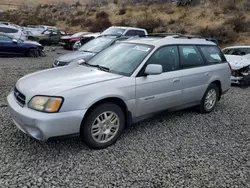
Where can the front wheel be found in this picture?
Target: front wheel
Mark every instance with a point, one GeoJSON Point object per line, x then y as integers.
{"type": "Point", "coordinates": [209, 99]}
{"type": "Point", "coordinates": [103, 126]}
{"type": "Point", "coordinates": [33, 53]}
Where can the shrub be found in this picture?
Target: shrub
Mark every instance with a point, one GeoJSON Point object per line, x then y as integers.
{"type": "Point", "coordinates": [238, 23]}
{"type": "Point", "coordinates": [224, 34]}
{"type": "Point", "coordinates": [79, 13]}
{"type": "Point", "coordinates": [102, 14]}
{"type": "Point", "coordinates": [122, 11]}
{"type": "Point", "coordinates": [100, 25]}
{"type": "Point", "coordinates": [149, 24]}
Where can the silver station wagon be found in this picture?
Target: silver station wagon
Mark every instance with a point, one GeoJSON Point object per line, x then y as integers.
{"type": "Point", "coordinates": [123, 84]}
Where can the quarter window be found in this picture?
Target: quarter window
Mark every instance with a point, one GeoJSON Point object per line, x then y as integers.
{"type": "Point", "coordinates": [212, 54]}
{"type": "Point", "coordinates": [167, 57]}
{"type": "Point", "coordinates": [190, 57]}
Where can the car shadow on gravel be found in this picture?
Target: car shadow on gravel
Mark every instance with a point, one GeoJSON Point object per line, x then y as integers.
{"type": "Point", "coordinates": [74, 144]}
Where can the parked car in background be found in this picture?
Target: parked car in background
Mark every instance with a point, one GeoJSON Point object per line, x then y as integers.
{"type": "Point", "coordinates": [13, 31]}
{"type": "Point", "coordinates": [5, 23]}
{"type": "Point", "coordinates": [239, 59]}
{"type": "Point", "coordinates": [126, 31]}
{"type": "Point", "coordinates": [41, 27]}
{"type": "Point", "coordinates": [47, 37]}
{"type": "Point", "coordinates": [87, 51]}
{"type": "Point", "coordinates": [125, 83]}
{"type": "Point", "coordinates": [68, 41]}
{"type": "Point", "coordinates": [12, 46]}
{"type": "Point", "coordinates": [84, 39]}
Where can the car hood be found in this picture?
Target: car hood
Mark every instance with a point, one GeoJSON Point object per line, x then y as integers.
{"type": "Point", "coordinates": [75, 55]}
{"type": "Point", "coordinates": [32, 42]}
{"type": "Point", "coordinates": [54, 81]}
{"type": "Point", "coordinates": [238, 62]}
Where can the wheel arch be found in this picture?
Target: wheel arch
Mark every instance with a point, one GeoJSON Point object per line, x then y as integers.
{"type": "Point", "coordinates": [218, 84]}
{"type": "Point", "coordinates": [116, 100]}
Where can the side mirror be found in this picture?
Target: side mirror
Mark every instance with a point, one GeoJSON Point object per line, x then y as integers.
{"type": "Point", "coordinates": [153, 69]}
{"type": "Point", "coordinates": [14, 40]}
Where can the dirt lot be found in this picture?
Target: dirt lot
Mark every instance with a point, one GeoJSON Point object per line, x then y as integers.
{"type": "Point", "coordinates": [180, 149]}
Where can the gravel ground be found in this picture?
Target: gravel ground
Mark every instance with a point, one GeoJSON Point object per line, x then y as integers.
{"type": "Point", "coordinates": [180, 149]}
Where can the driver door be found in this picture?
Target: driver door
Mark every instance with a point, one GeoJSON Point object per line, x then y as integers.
{"type": "Point", "coordinates": [7, 46]}
{"type": "Point", "coordinates": [159, 92]}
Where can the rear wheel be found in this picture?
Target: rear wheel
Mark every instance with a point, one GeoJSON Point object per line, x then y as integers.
{"type": "Point", "coordinates": [209, 99]}
{"type": "Point", "coordinates": [103, 126]}
{"type": "Point", "coordinates": [33, 53]}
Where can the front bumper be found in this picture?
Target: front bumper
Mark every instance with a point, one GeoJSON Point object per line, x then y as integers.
{"type": "Point", "coordinates": [242, 80]}
{"type": "Point", "coordinates": [43, 126]}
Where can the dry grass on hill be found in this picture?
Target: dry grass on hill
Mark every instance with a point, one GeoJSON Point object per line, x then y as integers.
{"type": "Point", "coordinates": [222, 19]}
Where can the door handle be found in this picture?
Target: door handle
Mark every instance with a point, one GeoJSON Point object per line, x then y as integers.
{"type": "Point", "coordinates": [176, 80]}
{"type": "Point", "coordinates": [208, 74]}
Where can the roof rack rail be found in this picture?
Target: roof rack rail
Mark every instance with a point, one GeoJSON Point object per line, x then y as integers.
{"type": "Point", "coordinates": [179, 35]}
{"type": "Point", "coordinates": [162, 34]}
{"type": "Point", "coordinates": [111, 35]}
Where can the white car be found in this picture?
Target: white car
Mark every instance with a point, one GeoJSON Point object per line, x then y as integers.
{"type": "Point", "coordinates": [126, 31]}
{"type": "Point", "coordinates": [239, 59]}
{"type": "Point", "coordinates": [13, 32]}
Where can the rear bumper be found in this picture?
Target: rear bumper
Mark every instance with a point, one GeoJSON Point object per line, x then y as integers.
{"type": "Point", "coordinates": [43, 126]}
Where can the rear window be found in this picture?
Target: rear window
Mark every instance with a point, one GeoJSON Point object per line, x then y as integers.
{"type": "Point", "coordinates": [130, 33]}
{"type": "Point", "coordinates": [140, 33]}
{"type": "Point", "coordinates": [212, 54]}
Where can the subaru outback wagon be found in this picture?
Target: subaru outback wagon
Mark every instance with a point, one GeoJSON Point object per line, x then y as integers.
{"type": "Point", "coordinates": [119, 86]}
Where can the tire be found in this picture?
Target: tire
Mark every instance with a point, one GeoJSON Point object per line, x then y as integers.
{"type": "Point", "coordinates": [33, 53]}
{"type": "Point", "coordinates": [203, 108]}
{"type": "Point", "coordinates": [96, 134]}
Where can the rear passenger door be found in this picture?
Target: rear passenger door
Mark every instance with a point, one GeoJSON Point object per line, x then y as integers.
{"type": "Point", "coordinates": [158, 92]}
{"type": "Point", "coordinates": [195, 75]}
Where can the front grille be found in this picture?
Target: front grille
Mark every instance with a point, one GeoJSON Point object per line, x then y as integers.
{"type": "Point", "coordinates": [19, 97]}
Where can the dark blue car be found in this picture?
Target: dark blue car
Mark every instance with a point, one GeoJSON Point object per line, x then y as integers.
{"type": "Point", "coordinates": [18, 47]}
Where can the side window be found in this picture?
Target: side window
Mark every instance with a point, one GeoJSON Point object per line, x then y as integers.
{"type": "Point", "coordinates": [190, 57]}
{"type": "Point", "coordinates": [140, 33]}
{"type": "Point", "coordinates": [4, 38]}
{"type": "Point", "coordinates": [13, 30]}
{"type": "Point", "coordinates": [212, 54]}
{"type": "Point", "coordinates": [5, 30]}
{"type": "Point", "coordinates": [167, 57]}
{"type": "Point", "coordinates": [130, 33]}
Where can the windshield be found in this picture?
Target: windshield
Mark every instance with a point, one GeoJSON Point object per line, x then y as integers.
{"type": "Point", "coordinates": [97, 45]}
{"type": "Point", "coordinates": [121, 58]}
{"type": "Point", "coordinates": [113, 31]}
{"type": "Point", "coordinates": [236, 51]}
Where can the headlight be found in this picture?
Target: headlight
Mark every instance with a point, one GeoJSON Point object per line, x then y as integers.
{"type": "Point", "coordinates": [46, 104]}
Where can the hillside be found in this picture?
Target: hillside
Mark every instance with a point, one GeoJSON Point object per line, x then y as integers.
{"type": "Point", "coordinates": [15, 4]}
{"type": "Point", "coordinates": [228, 22]}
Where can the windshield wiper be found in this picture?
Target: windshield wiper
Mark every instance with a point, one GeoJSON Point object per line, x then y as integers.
{"type": "Point", "coordinates": [106, 69]}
